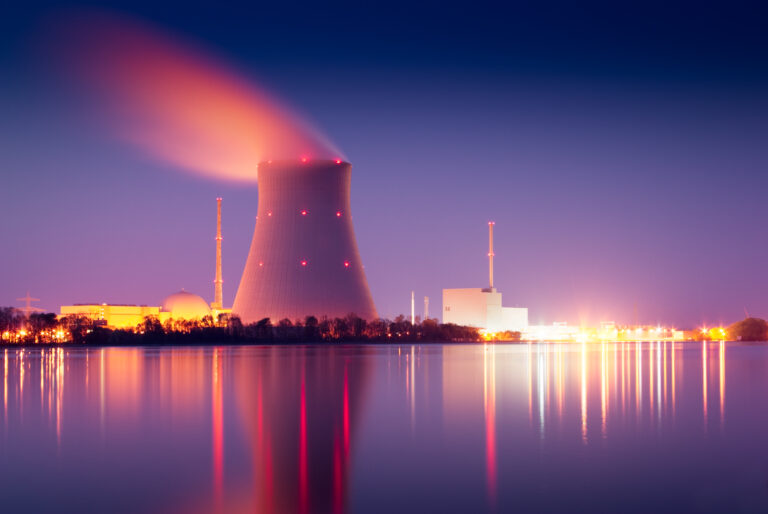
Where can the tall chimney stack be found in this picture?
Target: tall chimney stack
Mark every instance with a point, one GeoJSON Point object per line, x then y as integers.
{"type": "Point", "coordinates": [490, 253]}
{"type": "Point", "coordinates": [426, 307]}
{"type": "Point", "coordinates": [218, 301]}
{"type": "Point", "coordinates": [413, 308]}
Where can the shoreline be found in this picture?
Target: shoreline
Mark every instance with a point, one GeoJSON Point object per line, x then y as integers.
{"type": "Point", "coordinates": [6, 346]}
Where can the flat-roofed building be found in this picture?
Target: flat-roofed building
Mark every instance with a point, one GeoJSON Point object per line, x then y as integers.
{"type": "Point", "coordinates": [482, 308]}
{"type": "Point", "coordinates": [113, 316]}
{"type": "Point", "coordinates": [179, 306]}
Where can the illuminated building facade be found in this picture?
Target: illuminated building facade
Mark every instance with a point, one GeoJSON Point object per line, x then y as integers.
{"type": "Point", "coordinates": [482, 308]}
{"type": "Point", "coordinates": [178, 306]}
{"type": "Point", "coordinates": [113, 316]}
{"type": "Point", "coordinates": [303, 259]}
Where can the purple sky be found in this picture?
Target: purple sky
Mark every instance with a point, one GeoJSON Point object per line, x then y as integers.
{"type": "Point", "coordinates": [616, 177]}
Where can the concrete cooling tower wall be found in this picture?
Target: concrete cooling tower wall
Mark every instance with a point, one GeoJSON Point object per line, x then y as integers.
{"type": "Point", "coordinates": [304, 258]}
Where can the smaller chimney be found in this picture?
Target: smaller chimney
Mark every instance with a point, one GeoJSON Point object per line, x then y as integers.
{"type": "Point", "coordinates": [218, 301]}
{"type": "Point", "coordinates": [490, 253]}
{"type": "Point", "coordinates": [426, 307]}
{"type": "Point", "coordinates": [413, 309]}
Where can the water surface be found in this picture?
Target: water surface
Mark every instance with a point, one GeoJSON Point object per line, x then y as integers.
{"type": "Point", "coordinates": [625, 427]}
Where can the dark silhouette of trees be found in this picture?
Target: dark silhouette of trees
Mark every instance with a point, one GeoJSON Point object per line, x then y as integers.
{"type": "Point", "coordinates": [338, 330]}
{"type": "Point", "coordinates": [78, 327]}
{"type": "Point", "coordinates": [11, 322]}
{"type": "Point", "coordinates": [47, 328]}
{"type": "Point", "coordinates": [377, 330]}
{"type": "Point", "coordinates": [283, 330]}
{"type": "Point", "coordinates": [749, 329]}
{"type": "Point", "coordinates": [42, 327]}
{"type": "Point", "coordinates": [356, 326]}
{"type": "Point", "coordinates": [235, 327]}
{"type": "Point", "coordinates": [151, 327]}
{"type": "Point", "coordinates": [261, 330]}
{"type": "Point", "coordinates": [311, 329]}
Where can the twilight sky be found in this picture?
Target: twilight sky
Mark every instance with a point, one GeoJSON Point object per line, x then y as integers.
{"type": "Point", "coordinates": [620, 150]}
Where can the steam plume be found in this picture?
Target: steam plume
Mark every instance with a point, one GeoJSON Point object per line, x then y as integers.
{"type": "Point", "coordinates": [180, 105]}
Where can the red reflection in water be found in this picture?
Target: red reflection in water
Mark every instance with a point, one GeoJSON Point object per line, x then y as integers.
{"type": "Point", "coordinates": [217, 432]}
{"type": "Point", "coordinates": [263, 455]}
{"type": "Point", "coordinates": [337, 477]}
{"type": "Point", "coordinates": [302, 424]}
{"type": "Point", "coordinates": [303, 445]}
{"type": "Point", "coordinates": [346, 412]}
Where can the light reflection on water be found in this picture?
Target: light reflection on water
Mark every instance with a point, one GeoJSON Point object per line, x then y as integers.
{"type": "Point", "coordinates": [606, 427]}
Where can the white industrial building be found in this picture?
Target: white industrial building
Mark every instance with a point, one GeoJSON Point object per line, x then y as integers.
{"type": "Point", "coordinates": [482, 307]}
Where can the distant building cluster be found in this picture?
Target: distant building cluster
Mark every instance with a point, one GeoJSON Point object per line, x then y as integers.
{"type": "Point", "coordinates": [482, 308]}
{"type": "Point", "coordinates": [178, 306]}
{"type": "Point", "coordinates": [608, 331]}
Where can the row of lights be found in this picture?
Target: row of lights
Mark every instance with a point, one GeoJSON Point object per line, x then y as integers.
{"type": "Point", "coordinates": [305, 160]}
{"type": "Point", "coordinates": [304, 212]}
{"type": "Point", "coordinates": [8, 336]}
{"type": "Point", "coordinates": [304, 263]}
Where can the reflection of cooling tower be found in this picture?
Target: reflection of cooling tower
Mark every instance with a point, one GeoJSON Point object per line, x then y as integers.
{"type": "Point", "coordinates": [303, 259]}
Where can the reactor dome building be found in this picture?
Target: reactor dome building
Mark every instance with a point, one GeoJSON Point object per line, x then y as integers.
{"type": "Point", "coordinates": [185, 305]}
{"type": "Point", "coordinates": [303, 259]}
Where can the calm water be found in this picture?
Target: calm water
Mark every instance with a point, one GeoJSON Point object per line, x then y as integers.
{"type": "Point", "coordinates": [456, 428]}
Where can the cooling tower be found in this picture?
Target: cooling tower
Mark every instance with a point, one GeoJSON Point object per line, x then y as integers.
{"type": "Point", "coordinates": [303, 259]}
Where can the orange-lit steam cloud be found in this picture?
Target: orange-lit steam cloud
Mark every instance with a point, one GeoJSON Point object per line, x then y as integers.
{"type": "Point", "coordinates": [180, 105]}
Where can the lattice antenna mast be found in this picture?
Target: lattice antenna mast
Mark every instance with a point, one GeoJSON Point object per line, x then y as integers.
{"type": "Point", "coordinates": [28, 309]}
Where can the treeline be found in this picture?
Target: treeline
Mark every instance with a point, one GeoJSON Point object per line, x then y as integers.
{"type": "Point", "coordinates": [15, 327]}
{"type": "Point", "coordinates": [46, 328]}
{"type": "Point", "coordinates": [230, 329]}
{"type": "Point", "coordinates": [748, 329]}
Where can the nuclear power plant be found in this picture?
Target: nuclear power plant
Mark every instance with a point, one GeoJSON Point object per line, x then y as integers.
{"type": "Point", "coordinates": [303, 259]}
